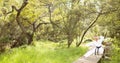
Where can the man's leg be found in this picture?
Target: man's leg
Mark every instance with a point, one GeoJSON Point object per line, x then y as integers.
{"type": "Point", "coordinates": [101, 50]}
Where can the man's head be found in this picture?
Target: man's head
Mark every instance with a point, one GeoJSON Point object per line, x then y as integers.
{"type": "Point", "coordinates": [95, 38]}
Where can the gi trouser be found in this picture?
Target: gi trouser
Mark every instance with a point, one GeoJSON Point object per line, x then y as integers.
{"type": "Point", "coordinates": [92, 51]}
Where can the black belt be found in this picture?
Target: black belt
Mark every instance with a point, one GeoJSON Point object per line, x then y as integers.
{"type": "Point", "coordinates": [97, 50]}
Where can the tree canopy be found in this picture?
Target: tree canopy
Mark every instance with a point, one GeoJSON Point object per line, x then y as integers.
{"type": "Point", "coordinates": [21, 21]}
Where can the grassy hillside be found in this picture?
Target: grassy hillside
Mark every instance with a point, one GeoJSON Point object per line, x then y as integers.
{"type": "Point", "coordinates": [42, 52]}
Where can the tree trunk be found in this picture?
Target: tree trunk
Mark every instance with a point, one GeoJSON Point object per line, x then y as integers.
{"type": "Point", "coordinates": [69, 43]}
{"type": "Point", "coordinates": [30, 40]}
{"type": "Point", "coordinates": [70, 39]}
{"type": "Point", "coordinates": [88, 29]}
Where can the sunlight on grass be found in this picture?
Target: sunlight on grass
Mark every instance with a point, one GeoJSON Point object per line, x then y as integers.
{"type": "Point", "coordinates": [42, 53]}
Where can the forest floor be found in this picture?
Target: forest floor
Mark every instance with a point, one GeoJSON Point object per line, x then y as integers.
{"type": "Point", "coordinates": [50, 52]}
{"type": "Point", "coordinates": [42, 52]}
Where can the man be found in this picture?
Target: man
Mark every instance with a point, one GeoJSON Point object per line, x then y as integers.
{"type": "Point", "coordinates": [95, 46]}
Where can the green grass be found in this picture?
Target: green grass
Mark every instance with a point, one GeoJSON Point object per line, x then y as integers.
{"type": "Point", "coordinates": [42, 52]}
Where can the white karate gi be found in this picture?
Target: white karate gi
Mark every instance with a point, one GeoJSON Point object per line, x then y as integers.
{"type": "Point", "coordinates": [93, 46]}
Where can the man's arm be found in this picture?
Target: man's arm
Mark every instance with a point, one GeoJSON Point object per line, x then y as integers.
{"type": "Point", "coordinates": [101, 39]}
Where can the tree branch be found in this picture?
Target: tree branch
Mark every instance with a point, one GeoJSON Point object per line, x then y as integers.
{"type": "Point", "coordinates": [18, 14]}
{"type": "Point", "coordinates": [13, 8]}
{"type": "Point", "coordinates": [41, 24]}
{"type": "Point", "coordinates": [94, 21]}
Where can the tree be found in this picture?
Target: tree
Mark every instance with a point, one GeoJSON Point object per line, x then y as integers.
{"type": "Point", "coordinates": [101, 10]}
{"type": "Point", "coordinates": [28, 34]}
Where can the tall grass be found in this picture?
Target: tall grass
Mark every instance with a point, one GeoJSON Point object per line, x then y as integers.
{"type": "Point", "coordinates": [42, 53]}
